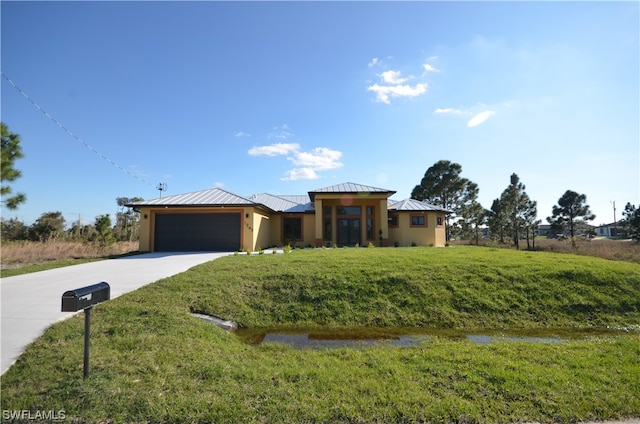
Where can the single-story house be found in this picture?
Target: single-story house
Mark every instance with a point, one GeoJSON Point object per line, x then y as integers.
{"type": "Point", "coordinates": [612, 230]}
{"type": "Point", "coordinates": [545, 230]}
{"type": "Point", "coordinates": [345, 214]}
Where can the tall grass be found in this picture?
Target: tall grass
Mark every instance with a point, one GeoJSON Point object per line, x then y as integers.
{"type": "Point", "coordinates": [153, 362]}
{"type": "Point", "coordinates": [21, 254]}
{"type": "Point", "coordinates": [617, 250]}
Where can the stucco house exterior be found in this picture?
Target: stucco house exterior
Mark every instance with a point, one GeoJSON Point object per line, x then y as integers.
{"type": "Point", "coordinates": [345, 214]}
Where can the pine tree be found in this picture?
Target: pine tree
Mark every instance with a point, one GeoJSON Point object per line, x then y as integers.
{"type": "Point", "coordinates": [632, 221]}
{"type": "Point", "coordinates": [519, 211]}
{"type": "Point", "coordinates": [443, 186]}
{"type": "Point", "coordinates": [571, 211]}
{"type": "Point", "coordinates": [11, 151]}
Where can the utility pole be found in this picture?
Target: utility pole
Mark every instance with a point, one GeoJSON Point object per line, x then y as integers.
{"type": "Point", "coordinates": [615, 224]}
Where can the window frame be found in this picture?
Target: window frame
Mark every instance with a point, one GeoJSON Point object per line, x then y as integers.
{"type": "Point", "coordinates": [284, 228]}
{"type": "Point", "coordinates": [370, 223]}
{"type": "Point", "coordinates": [423, 217]}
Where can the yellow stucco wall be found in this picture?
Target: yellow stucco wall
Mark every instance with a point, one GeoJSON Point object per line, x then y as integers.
{"type": "Point", "coordinates": [260, 230]}
{"type": "Point", "coordinates": [308, 230]}
{"type": "Point", "coordinates": [145, 230]}
{"type": "Point", "coordinates": [406, 235]}
{"type": "Point", "coordinates": [377, 201]}
{"type": "Point", "coordinates": [248, 236]}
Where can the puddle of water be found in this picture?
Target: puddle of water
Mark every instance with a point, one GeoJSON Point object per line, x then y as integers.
{"type": "Point", "coordinates": [407, 337]}
{"type": "Point", "coordinates": [313, 341]}
{"type": "Point", "coordinates": [481, 339]}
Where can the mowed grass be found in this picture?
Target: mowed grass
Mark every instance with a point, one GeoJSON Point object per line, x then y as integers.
{"type": "Point", "coordinates": [151, 361]}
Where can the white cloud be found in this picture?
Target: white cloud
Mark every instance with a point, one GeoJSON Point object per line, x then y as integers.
{"type": "Point", "coordinates": [480, 118]}
{"type": "Point", "coordinates": [283, 132]}
{"type": "Point", "coordinates": [448, 111]}
{"type": "Point", "coordinates": [274, 149]}
{"type": "Point", "coordinates": [319, 159]}
{"type": "Point", "coordinates": [218, 184]}
{"type": "Point", "coordinates": [393, 85]}
{"type": "Point", "coordinates": [241, 134]}
{"type": "Point", "coordinates": [430, 68]}
{"type": "Point", "coordinates": [307, 164]}
{"type": "Point", "coordinates": [392, 77]}
{"type": "Point", "coordinates": [300, 174]}
{"type": "Point", "coordinates": [383, 92]}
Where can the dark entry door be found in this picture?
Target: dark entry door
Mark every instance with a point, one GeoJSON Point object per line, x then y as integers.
{"type": "Point", "coordinates": [193, 232]}
{"type": "Point", "coordinates": [348, 231]}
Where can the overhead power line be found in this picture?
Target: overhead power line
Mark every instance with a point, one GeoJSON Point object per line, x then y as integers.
{"type": "Point", "coordinates": [68, 131]}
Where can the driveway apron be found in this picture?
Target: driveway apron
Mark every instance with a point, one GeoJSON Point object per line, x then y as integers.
{"type": "Point", "coordinates": [32, 302]}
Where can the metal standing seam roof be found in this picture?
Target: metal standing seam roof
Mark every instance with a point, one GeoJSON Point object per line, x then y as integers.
{"type": "Point", "coordinates": [282, 203]}
{"type": "Point", "coordinates": [349, 188]}
{"type": "Point", "coordinates": [273, 202]}
{"type": "Point", "coordinates": [300, 199]}
{"type": "Point", "coordinates": [415, 205]}
{"type": "Point", "coordinates": [285, 203]}
{"type": "Point", "coordinates": [210, 197]}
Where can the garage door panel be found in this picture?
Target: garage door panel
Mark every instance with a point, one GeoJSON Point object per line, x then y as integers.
{"type": "Point", "coordinates": [197, 232]}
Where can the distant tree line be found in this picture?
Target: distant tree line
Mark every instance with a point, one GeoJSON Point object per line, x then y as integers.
{"type": "Point", "coordinates": [512, 217]}
{"type": "Point", "coordinates": [52, 226]}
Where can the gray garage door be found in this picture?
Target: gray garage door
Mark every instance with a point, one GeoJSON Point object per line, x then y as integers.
{"type": "Point", "coordinates": [191, 232]}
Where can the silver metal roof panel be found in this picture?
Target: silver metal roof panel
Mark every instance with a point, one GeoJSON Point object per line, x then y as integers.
{"type": "Point", "coordinates": [350, 188]}
{"type": "Point", "coordinates": [276, 203]}
{"type": "Point", "coordinates": [300, 199]}
{"type": "Point", "coordinates": [415, 205]}
{"type": "Point", "coordinates": [210, 197]}
{"type": "Point", "coordinates": [285, 203]}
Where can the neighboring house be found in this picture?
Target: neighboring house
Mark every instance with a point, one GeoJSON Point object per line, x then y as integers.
{"type": "Point", "coordinates": [343, 215]}
{"type": "Point", "coordinates": [545, 230]}
{"type": "Point", "coordinates": [612, 230]}
{"type": "Point", "coordinates": [580, 230]}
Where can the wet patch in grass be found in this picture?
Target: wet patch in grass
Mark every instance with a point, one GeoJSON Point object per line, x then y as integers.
{"type": "Point", "coordinates": [407, 337]}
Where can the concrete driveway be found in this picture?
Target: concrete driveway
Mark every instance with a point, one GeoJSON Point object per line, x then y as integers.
{"type": "Point", "coordinates": [32, 302]}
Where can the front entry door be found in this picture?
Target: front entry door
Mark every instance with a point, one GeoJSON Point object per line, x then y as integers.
{"type": "Point", "coordinates": [348, 231]}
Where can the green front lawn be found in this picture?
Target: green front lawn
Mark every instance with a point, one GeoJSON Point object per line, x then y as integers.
{"type": "Point", "coordinates": [151, 361]}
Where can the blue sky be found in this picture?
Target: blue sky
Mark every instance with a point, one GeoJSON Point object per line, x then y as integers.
{"type": "Point", "coordinates": [286, 97]}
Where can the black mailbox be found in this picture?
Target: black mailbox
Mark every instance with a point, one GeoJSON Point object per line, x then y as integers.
{"type": "Point", "coordinates": [85, 297]}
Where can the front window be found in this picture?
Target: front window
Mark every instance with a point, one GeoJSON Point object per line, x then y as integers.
{"type": "Point", "coordinates": [393, 221]}
{"type": "Point", "coordinates": [292, 229]}
{"type": "Point", "coordinates": [370, 223]}
{"type": "Point", "coordinates": [327, 223]}
{"type": "Point", "coordinates": [349, 210]}
{"type": "Point", "coordinates": [418, 221]}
